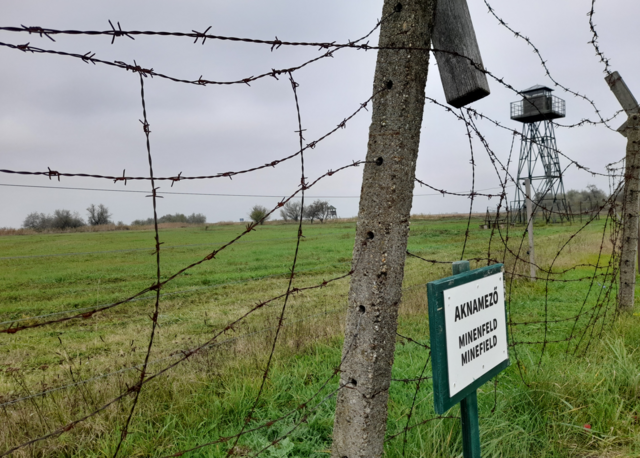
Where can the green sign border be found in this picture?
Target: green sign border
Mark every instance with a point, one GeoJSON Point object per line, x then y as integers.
{"type": "Point", "coordinates": [435, 294]}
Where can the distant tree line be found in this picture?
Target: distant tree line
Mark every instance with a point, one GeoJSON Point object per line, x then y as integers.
{"type": "Point", "coordinates": [97, 215]}
{"type": "Point", "coordinates": [194, 218]}
{"type": "Point", "coordinates": [65, 219]}
{"type": "Point", "coordinates": [590, 197]}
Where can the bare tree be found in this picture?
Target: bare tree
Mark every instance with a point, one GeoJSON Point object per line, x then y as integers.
{"type": "Point", "coordinates": [37, 221]}
{"type": "Point", "coordinates": [310, 212]}
{"type": "Point", "coordinates": [98, 215]}
{"type": "Point", "coordinates": [319, 210]}
{"type": "Point", "coordinates": [291, 211]}
{"type": "Point", "coordinates": [259, 214]}
{"type": "Point", "coordinates": [323, 209]}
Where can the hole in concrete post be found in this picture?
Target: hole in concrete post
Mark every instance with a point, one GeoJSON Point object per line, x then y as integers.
{"type": "Point", "coordinates": [398, 8]}
{"type": "Point", "coordinates": [379, 161]}
{"type": "Point", "coordinates": [389, 84]}
{"type": "Point", "coordinates": [370, 235]}
{"type": "Point", "coordinates": [362, 309]}
{"type": "Point", "coordinates": [353, 382]}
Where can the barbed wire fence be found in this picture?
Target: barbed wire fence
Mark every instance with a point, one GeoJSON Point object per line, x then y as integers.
{"type": "Point", "coordinates": [574, 333]}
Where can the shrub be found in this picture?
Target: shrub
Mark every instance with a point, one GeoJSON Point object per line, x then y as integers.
{"type": "Point", "coordinates": [259, 214]}
{"type": "Point", "coordinates": [65, 219]}
{"type": "Point", "coordinates": [37, 221]}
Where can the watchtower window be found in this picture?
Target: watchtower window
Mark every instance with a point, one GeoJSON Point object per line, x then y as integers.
{"type": "Point", "coordinates": [537, 104]}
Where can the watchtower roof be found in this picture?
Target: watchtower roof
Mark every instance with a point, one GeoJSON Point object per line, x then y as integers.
{"type": "Point", "coordinates": [536, 88]}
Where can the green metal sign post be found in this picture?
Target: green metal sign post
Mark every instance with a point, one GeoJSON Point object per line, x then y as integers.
{"type": "Point", "coordinates": [469, 344]}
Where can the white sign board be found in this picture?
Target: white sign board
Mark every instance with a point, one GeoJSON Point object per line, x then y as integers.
{"type": "Point", "coordinates": [476, 330]}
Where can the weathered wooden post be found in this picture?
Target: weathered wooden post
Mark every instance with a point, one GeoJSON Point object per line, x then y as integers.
{"type": "Point", "coordinates": [532, 256]}
{"type": "Point", "coordinates": [631, 201]}
{"type": "Point", "coordinates": [580, 204]}
{"type": "Point", "coordinates": [453, 37]}
{"type": "Point", "coordinates": [385, 206]}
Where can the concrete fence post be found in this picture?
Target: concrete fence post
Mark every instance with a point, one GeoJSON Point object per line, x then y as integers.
{"type": "Point", "coordinates": [385, 202]}
{"type": "Point", "coordinates": [382, 230]}
{"type": "Point", "coordinates": [631, 200]}
{"type": "Point", "coordinates": [630, 228]}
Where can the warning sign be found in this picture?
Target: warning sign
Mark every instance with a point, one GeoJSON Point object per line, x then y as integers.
{"type": "Point", "coordinates": [468, 327]}
{"type": "Point", "coordinates": [476, 330]}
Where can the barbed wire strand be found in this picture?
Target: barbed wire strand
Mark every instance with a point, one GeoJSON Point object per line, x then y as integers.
{"type": "Point", "coordinates": [302, 185]}
{"type": "Point", "coordinates": [249, 228]}
{"type": "Point", "coordinates": [595, 315]}
{"type": "Point", "coordinates": [156, 308]}
{"type": "Point", "coordinates": [594, 40]}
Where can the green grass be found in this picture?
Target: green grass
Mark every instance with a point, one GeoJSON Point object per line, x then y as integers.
{"type": "Point", "coordinates": [53, 272]}
{"type": "Point", "coordinates": [538, 408]}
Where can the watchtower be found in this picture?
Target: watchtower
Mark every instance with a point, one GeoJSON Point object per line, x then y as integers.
{"type": "Point", "coordinates": [539, 159]}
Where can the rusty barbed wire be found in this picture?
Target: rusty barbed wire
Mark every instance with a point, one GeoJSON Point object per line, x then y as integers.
{"type": "Point", "coordinates": [428, 420]}
{"type": "Point", "coordinates": [294, 86]}
{"type": "Point", "coordinates": [596, 314]}
{"type": "Point", "coordinates": [420, 379]}
{"type": "Point", "coordinates": [115, 179]}
{"type": "Point", "coordinates": [172, 355]}
{"type": "Point", "coordinates": [599, 306]}
{"type": "Point", "coordinates": [473, 113]}
{"type": "Point", "coordinates": [472, 197]}
{"type": "Point", "coordinates": [175, 353]}
{"type": "Point", "coordinates": [156, 308]}
{"type": "Point", "coordinates": [594, 40]}
{"type": "Point", "coordinates": [168, 294]}
{"type": "Point", "coordinates": [494, 159]}
{"type": "Point", "coordinates": [249, 228]}
{"type": "Point", "coordinates": [276, 44]}
{"type": "Point", "coordinates": [185, 355]}
{"type": "Point", "coordinates": [89, 57]}
{"type": "Point", "coordinates": [114, 33]}
{"type": "Point", "coordinates": [336, 371]}
{"type": "Point", "coordinates": [544, 63]}
{"type": "Point", "coordinates": [542, 269]}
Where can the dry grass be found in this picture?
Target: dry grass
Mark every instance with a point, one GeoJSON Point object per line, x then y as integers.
{"type": "Point", "coordinates": [242, 355]}
{"type": "Point", "coordinates": [315, 317]}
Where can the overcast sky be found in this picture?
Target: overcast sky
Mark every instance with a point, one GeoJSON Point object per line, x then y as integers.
{"type": "Point", "coordinates": [61, 113]}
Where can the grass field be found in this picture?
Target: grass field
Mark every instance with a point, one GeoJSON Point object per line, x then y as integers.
{"type": "Point", "coordinates": [209, 396]}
